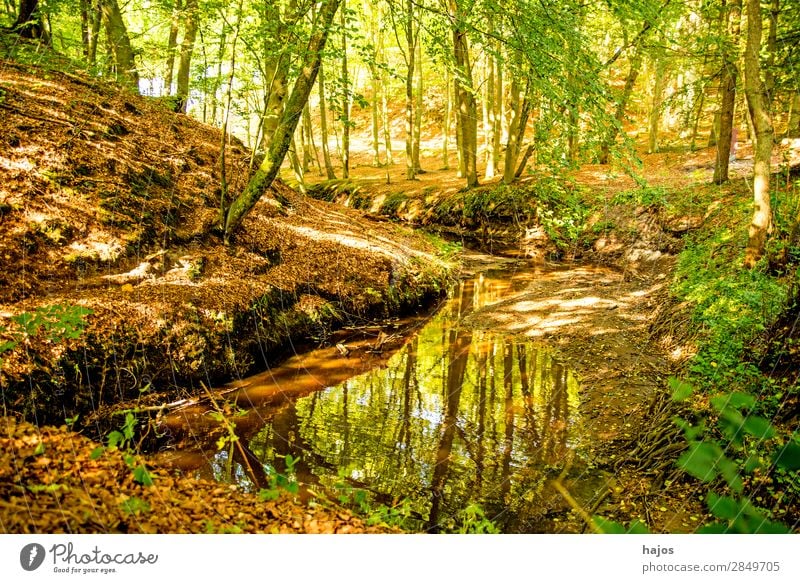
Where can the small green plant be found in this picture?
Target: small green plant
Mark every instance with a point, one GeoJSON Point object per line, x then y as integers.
{"type": "Point", "coordinates": [134, 505]}
{"type": "Point", "coordinates": [122, 441]}
{"type": "Point", "coordinates": [642, 196]}
{"type": "Point", "coordinates": [54, 323]}
{"type": "Point", "coordinates": [279, 483]}
{"type": "Point", "coordinates": [605, 526]}
{"type": "Point", "coordinates": [473, 520]}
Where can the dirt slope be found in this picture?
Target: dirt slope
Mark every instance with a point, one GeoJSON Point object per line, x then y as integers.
{"type": "Point", "coordinates": [108, 200]}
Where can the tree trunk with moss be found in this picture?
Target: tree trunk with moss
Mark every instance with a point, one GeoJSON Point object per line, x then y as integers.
{"type": "Point", "coordinates": [758, 104]}
{"type": "Point", "coordinates": [269, 168]}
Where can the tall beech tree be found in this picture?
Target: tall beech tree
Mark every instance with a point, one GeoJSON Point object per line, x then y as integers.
{"type": "Point", "coordinates": [758, 103]}
{"type": "Point", "coordinates": [293, 111]}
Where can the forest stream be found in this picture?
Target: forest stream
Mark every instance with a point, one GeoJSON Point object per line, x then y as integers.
{"type": "Point", "coordinates": [480, 404]}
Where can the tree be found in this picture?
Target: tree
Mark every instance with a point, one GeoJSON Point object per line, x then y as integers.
{"type": "Point", "coordinates": [466, 110]}
{"type": "Point", "coordinates": [758, 104]}
{"type": "Point", "coordinates": [268, 169]}
{"type": "Point", "coordinates": [191, 23]}
{"type": "Point", "coordinates": [29, 21]}
{"type": "Point", "coordinates": [119, 42]}
{"type": "Point", "coordinates": [727, 89]}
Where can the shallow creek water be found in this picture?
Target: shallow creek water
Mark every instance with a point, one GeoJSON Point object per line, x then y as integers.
{"type": "Point", "coordinates": [440, 414]}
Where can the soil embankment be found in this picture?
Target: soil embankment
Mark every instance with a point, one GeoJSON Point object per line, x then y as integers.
{"type": "Point", "coordinates": [109, 201]}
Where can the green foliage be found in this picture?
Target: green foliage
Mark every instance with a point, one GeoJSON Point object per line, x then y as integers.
{"type": "Point", "coordinates": [642, 196]}
{"type": "Point", "coordinates": [123, 441]}
{"type": "Point", "coordinates": [552, 203]}
{"type": "Point", "coordinates": [473, 520]}
{"type": "Point", "coordinates": [606, 526]}
{"type": "Point", "coordinates": [727, 456]}
{"type": "Point", "coordinates": [279, 483]}
{"type": "Point", "coordinates": [732, 306]}
{"type": "Point", "coordinates": [134, 505]}
{"type": "Point", "coordinates": [54, 324]}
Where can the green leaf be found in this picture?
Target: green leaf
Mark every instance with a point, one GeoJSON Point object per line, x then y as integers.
{"type": "Point", "coordinates": [141, 475]}
{"type": "Point", "coordinates": [128, 428]}
{"type": "Point", "coordinates": [741, 400]}
{"type": "Point", "coordinates": [700, 460]}
{"type": "Point", "coordinates": [134, 505]}
{"type": "Point", "coordinates": [114, 439]}
{"type": "Point", "coordinates": [266, 494]}
{"type": "Point", "coordinates": [723, 507]}
{"type": "Point", "coordinates": [691, 432]}
{"type": "Point", "coordinates": [758, 427]}
{"type": "Point", "coordinates": [680, 390]}
{"type": "Point", "coordinates": [608, 526]}
{"type": "Point", "coordinates": [39, 449]}
{"type": "Point", "coordinates": [638, 527]}
{"type": "Point", "coordinates": [97, 452]}
{"type": "Point", "coordinates": [788, 458]}
{"type": "Point", "coordinates": [751, 463]}
{"type": "Point", "coordinates": [714, 528]}
{"type": "Point", "coordinates": [730, 471]}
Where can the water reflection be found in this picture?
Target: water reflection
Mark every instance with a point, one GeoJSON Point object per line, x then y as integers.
{"type": "Point", "coordinates": [458, 415]}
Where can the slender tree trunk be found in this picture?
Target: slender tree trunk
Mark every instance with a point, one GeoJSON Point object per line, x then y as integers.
{"type": "Point", "coordinates": [376, 125]}
{"type": "Point", "coordinates": [269, 168]}
{"type": "Point", "coordinates": [345, 98]}
{"type": "Point", "coordinates": [218, 80]}
{"type": "Point", "coordinates": [448, 108]}
{"type": "Point", "coordinates": [758, 104]}
{"type": "Point", "coordinates": [323, 124]}
{"type": "Point", "coordinates": [772, 48]}
{"type": "Point", "coordinates": [172, 43]}
{"type": "Point", "coordinates": [410, 54]}
{"type": "Point", "coordinates": [499, 113]}
{"type": "Point", "coordinates": [225, 116]}
{"type": "Point", "coordinates": [85, 8]}
{"type": "Point", "coordinates": [654, 122]}
{"type": "Point", "coordinates": [465, 97]}
{"type": "Point", "coordinates": [95, 22]}
{"type": "Point", "coordinates": [191, 22]}
{"type": "Point", "coordinates": [622, 104]}
{"type": "Point", "coordinates": [119, 42]}
{"type": "Point", "coordinates": [373, 12]}
{"type": "Point", "coordinates": [311, 147]}
{"type": "Point", "coordinates": [418, 114]}
{"type": "Point", "coordinates": [490, 121]}
{"type": "Point", "coordinates": [512, 147]}
{"type": "Point", "coordinates": [730, 74]}
{"type": "Point", "coordinates": [387, 129]}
